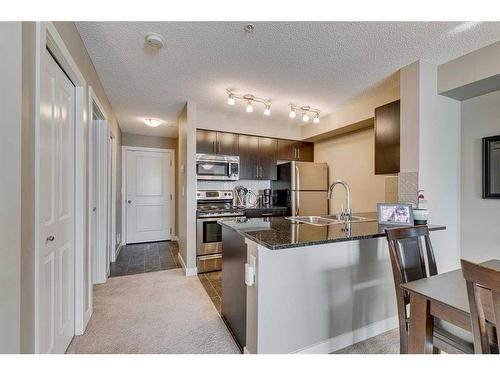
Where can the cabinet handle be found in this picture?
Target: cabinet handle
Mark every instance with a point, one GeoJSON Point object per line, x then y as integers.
{"type": "Point", "coordinates": [261, 174]}
{"type": "Point", "coordinates": [267, 214]}
{"type": "Point", "coordinates": [257, 168]}
{"type": "Point", "coordinates": [219, 147]}
{"type": "Point", "coordinates": [298, 153]}
{"type": "Point", "coordinates": [213, 147]}
{"type": "Point", "coordinates": [295, 153]}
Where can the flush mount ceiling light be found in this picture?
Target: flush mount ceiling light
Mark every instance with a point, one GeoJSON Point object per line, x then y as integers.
{"type": "Point", "coordinates": [306, 111]}
{"type": "Point", "coordinates": [152, 122]}
{"type": "Point", "coordinates": [250, 100]}
{"type": "Point", "coordinates": [155, 40]}
{"type": "Point", "coordinates": [249, 28]}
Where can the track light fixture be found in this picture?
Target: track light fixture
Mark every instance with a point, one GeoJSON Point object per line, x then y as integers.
{"type": "Point", "coordinates": [306, 112]}
{"type": "Point", "coordinates": [250, 100]}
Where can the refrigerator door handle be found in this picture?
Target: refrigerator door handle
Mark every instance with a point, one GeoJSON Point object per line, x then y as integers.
{"type": "Point", "coordinates": [297, 206]}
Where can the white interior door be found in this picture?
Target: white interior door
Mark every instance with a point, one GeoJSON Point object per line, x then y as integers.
{"type": "Point", "coordinates": [56, 267]}
{"type": "Point", "coordinates": [148, 196]}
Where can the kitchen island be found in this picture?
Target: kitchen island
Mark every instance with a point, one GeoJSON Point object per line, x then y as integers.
{"type": "Point", "coordinates": [316, 289]}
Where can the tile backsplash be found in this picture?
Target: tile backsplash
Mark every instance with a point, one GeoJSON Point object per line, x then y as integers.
{"type": "Point", "coordinates": [255, 185]}
{"type": "Point", "coordinates": [408, 187]}
{"type": "Point", "coordinates": [391, 189]}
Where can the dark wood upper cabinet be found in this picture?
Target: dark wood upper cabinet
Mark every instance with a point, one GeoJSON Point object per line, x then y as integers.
{"type": "Point", "coordinates": [295, 150]}
{"type": "Point", "coordinates": [206, 141]}
{"type": "Point", "coordinates": [305, 151]}
{"type": "Point", "coordinates": [248, 146]}
{"type": "Point", "coordinates": [227, 143]}
{"type": "Point", "coordinates": [214, 142]}
{"type": "Point", "coordinates": [268, 148]}
{"type": "Point", "coordinates": [387, 138]}
{"type": "Point", "coordinates": [258, 155]}
{"type": "Point", "coordinates": [286, 149]}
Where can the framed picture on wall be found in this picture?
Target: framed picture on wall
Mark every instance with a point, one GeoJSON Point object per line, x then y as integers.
{"type": "Point", "coordinates": [491, 167]}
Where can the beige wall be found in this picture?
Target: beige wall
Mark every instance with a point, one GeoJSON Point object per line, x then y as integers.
{"type": "Point", "coordinates": [187, 124]}
{"type": "Point", "coordinates": [74, 44]}
{"type": "Point", "coordinates": [356, 111]}
{"type": "Point", "coordinates": [136, 140]}
{"type": "Point", "coordinates": [10, 186]}
{"type": "Point", "coordinates": [350, 157]}
{"type": "Point", "coordinates": [236, 120]}
{"type": "Point", "coordinates": [480, 236]}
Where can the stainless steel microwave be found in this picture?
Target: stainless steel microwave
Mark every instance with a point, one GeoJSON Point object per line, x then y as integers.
{"type": "Point", "coordinates": [217, 167]}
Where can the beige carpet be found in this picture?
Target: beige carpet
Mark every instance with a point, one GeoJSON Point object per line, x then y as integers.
{"type": "Point", "coordinates": [386, 343]}
{"type": "Point", "coordinates": [156, 312]}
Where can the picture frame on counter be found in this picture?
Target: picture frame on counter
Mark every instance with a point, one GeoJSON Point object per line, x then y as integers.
{"type": "Point", "coordinates": [491, 167]}
{"type": "Point", "coordinates": [396, 214]}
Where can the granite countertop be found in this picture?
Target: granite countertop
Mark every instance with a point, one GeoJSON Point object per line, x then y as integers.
{"type": "Point", "coordinates": [277, 233]}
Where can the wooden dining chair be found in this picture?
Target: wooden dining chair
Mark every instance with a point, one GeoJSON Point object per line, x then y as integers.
{"type": "Point", "coordinates": [483, 289]}
{"type": "Point", "coordinates": [408, 262]}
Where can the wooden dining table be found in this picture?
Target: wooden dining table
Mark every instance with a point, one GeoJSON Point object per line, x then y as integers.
{"type": "Point", "coordinates": [442, 296]}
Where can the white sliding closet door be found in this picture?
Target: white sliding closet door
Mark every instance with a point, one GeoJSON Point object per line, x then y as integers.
{"type": "Point", "coordinates": [56, 262]}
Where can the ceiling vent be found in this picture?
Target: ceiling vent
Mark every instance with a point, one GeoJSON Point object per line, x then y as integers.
{"type": "Point", "coordinates": [155, 40]}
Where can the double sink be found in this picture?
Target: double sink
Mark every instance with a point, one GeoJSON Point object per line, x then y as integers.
{"type": "Point", "coordinates": [325, 220]}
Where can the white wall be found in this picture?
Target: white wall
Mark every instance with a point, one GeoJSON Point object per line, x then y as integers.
{"type": "Point", "coordinates": [436, 120]}
{"type": "Point", "coordinates": [471, 75]}
{"type": "Point", "coordinates": [480, 235]}
{"type": "Point", "coordinates": [10, 186]}
{"type": "Point", "coordinates": [439, 160]}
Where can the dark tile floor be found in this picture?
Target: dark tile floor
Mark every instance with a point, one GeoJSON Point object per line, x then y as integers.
{"type": "Point", "coordinates": [146, 257]}
{"type": "Point", "coordinates": [211, 281]}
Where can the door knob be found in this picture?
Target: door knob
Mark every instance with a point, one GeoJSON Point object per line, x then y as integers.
{"type": "Point", "coordinates": [129, 201]}
{"type": "Point", "coordinates": [50, 238]}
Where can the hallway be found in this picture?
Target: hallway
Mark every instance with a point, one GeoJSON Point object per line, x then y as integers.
{"type": "Point", "coordinates": [146, 257]}
{"type": "Point", "coordinates": [155, 312]}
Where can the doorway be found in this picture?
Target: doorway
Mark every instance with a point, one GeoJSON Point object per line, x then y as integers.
{"type": "Point", "coordinates": [149, 183]}
{"type": "Point", "coordinates": [101, 194]}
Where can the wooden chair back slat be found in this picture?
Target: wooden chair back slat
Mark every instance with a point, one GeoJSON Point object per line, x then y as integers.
{"type": "Point", "coordinates": [408, 264]}
{"type": "Point", "coordinates": [482, 283]}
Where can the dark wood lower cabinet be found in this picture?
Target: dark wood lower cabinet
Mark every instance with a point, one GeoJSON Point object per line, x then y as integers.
{"type": "Point", "coordinates": [234, 289]}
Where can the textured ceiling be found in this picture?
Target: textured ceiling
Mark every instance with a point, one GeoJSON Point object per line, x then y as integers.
{"type": "Point", "coordinates": [322, 64]}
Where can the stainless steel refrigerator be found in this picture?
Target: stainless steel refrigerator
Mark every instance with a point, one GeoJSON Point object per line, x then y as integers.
{"type": "Point", "coordinates": [302, 187]}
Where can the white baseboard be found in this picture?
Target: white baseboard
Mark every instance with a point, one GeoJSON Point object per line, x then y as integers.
{"type": "Point", "coordinates": [188, 271]}
{"type": "Point", "coordinates": [339, 342]}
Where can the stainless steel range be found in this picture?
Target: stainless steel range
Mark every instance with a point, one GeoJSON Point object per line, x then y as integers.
{"type": "Point", "coordinates": [212, 206]}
